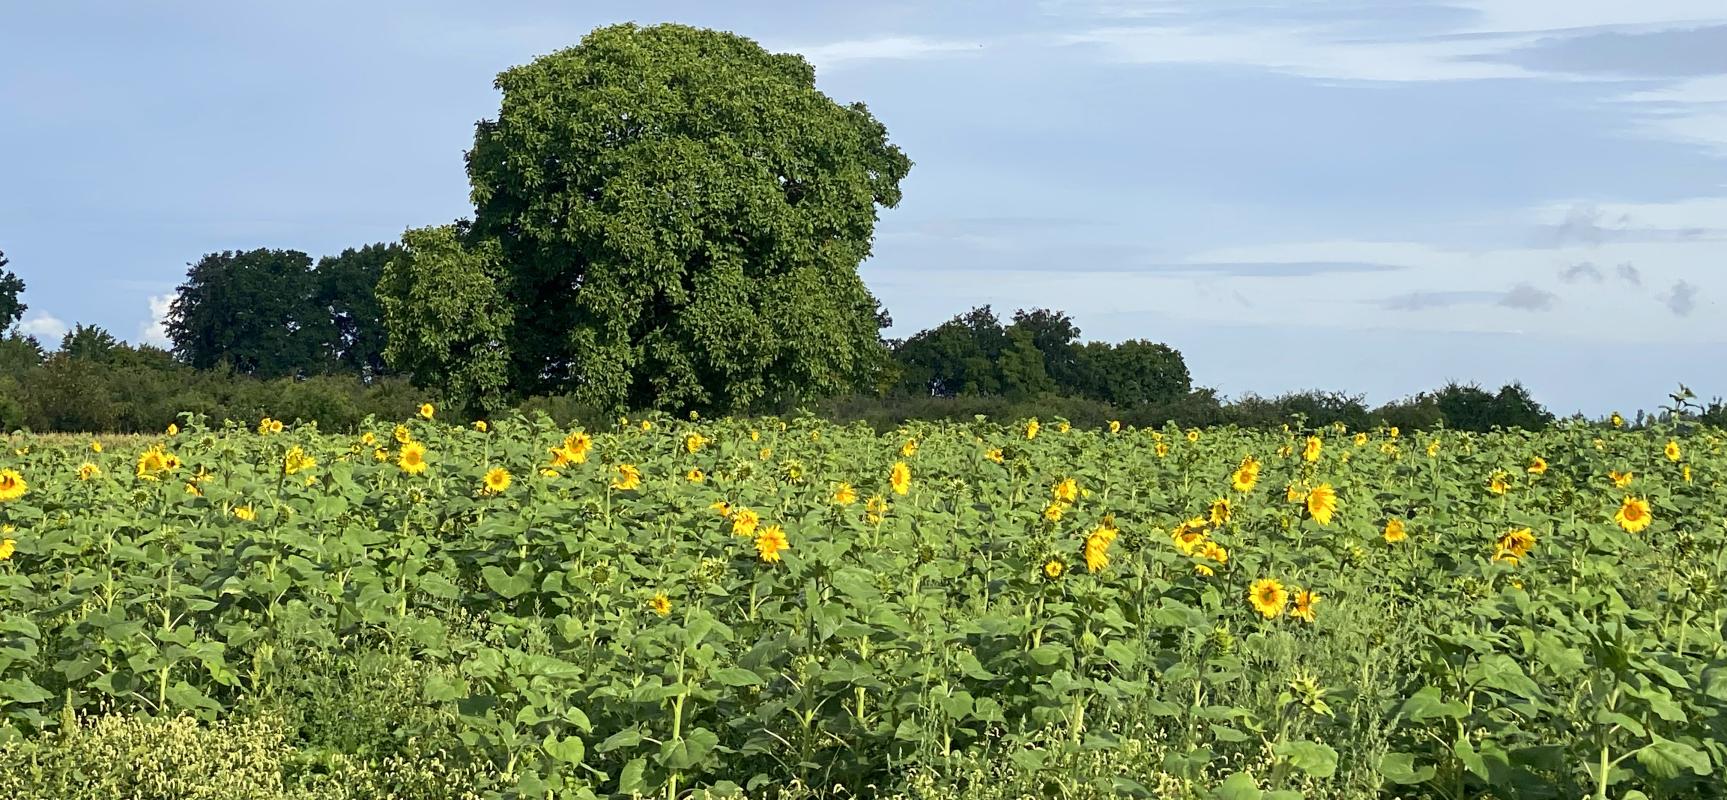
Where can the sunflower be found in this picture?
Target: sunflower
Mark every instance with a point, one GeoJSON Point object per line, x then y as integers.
{"type": "Point", "coordinates": [245, 513]}
{"type": "Point", "coordinates": [427, 411]}
{"type": "Point", "coordinates": [192, 489]}
{"type": "Point", "coordinates": [1067, 491]}
{"type": "Point", "coordinates": [1097, 547]}
{"type": "Point", "coordinates": [1686, 473]}
{"type": "Point", "coordinates": [1616, 420]}
{"type": "Point", "coordinates": [844, 494]}
{"type": "Point", "coordinates": [770, 542]}
{"type": "Point", "coordinates": [95, 446]}
{"type": "Point", "coordinates": [1634, 515]}
{"type": "Point", "coordinates": [1538, 466]}
{"type": "Point", "coordinates": [1672, 450]}
{"type": "Point", "coordinates": [173, 430]}
{"type": "Point", "coordinates": [1498, 484]}
{"type": "Point", "coordinates": [900, 478]}
{"type": "Point", "coordinates": [766, 453]}
{"type": "Point", "coordinates": [744, 521]}
{"type": "Point", "coordinates": [88, 471]}
{"type": "Point", "coordinates": [497, 480]}
{"type": "Point", "coordinates": [1322, 503]}
{"type": "Point", "coordinates": [275, 426]}
{"type": "Point", "coordinates": [629, 478]}
{"type": "Point", "coordinates": [264, 426]}
{"type": "Point", "coordinates": [1360, 439]}
{"type": "Point", "coordinates": [1433, 448]}
{"type": "Point", "coordinates": [1518, 543]}
{"type": "Point", "coordinates": [297, 460]}
{"type": "Point", "coordinates": [1245, 476]}
{"type": "Point", "coordinates": [721, 507]}
{"type": "Point", "coordinates": [695, 475]}
{"type": "Point", "coordinates": [1220, 511]}
{"type": "Point", "coordinates": [1190, 541]}
{"type": "Point", "coordinates": [151, 462]}
{"type": "Point", "coordinates": [402, 434]}
{"type": "Point", "coordinates": [481, 426]}
{"type": "Point", "coordinates": [369, 439]}
{"type": "Point", "coordinates": [1214, 552]}
{"type": "Point", "coordinates": [1031, 429]}
{"type": "Point", "coordinates": [1054, 511]}
{"type": "Point", "coordinates": [694, 442]}
{"type": "Point", "coordinates": [875, 510]}
{"type": "Point", "coordinates": [1162, 449]}
{"type": "Point", "coordinates": [413, 458]}
{"type": "Point", "coordinates": [1115, 426]}
{"type": "Point", "coordinates": [1305, 600]}
{"type": "Point", "coordinates": [661, 604]}
{"type": "Point", "coordinates": [7, 547]}
{"type": "Point", "coordinates": [1268, 597]}
{"type": "Point", "coordinates": [995, 454]}
{"type": "Point", "coordinates": [647, 425]}
{"type": "Point", "coordinates": [1395, 531]}
{"type": "Point", "coordinates": [577, 446]}
{"type": "Point", "coordinates": [908, 449]}
{"type": "Point", "coordinates": [1310, 451]}
{"type": "Point", "coordinates": [1193, 435]}
{"type": "Point", "coordinates": [1620, 479]}
{"type": "Point", "coordinates": [1053, 568]}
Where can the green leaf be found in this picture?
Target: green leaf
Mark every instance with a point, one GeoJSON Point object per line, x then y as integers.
{"type": "Point", "coordinates": [569, 749]}
{"type": "Point", "coordinates": [1427, 704]}
{"type": "Point", "coordinates": [1240, 786]}
{"type": "Point", "coordinates": [1313, 758]}
{"type": "Point", "coordinates": [630, 778]}
{"type": "Point", "coordinates": [737, 676]}
{"type": "Point", "coordinates": [1400, 768]}
{"type": "Point", "coordinates": [1666, 758]}
{"type": "Point", "coordinates": [688, 751]}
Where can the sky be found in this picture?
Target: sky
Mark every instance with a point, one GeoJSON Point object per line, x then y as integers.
{"type": "Point", "coordinates": [1369, 197]}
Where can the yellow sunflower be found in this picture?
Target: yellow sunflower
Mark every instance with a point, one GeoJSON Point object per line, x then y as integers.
{"type": "Point", "coordinates": [1097, 547]}
{"type": "Point", "coordinates": [770, 542]}
{"type": "Point", "coordinates": [1115, 426]}
{"type": "Point", "coordinates": [695, 475]}
{"type": "Point", "coordinates": [413, 458]}
{"type": "Point", "coordinates": [875, 509]}
{"type": "Point", "coordinates": [1634, 515]}
{"type": "Point", "coordinates": [900, 478]}
{"type": "Point", "coordinates": [576, 447]}
{"type": "Point", "coordinates": [660, 604]}
{"type": "Point", "coordinates": [245, 513]}
{"type": "Point", "coordinates": [1538, 466]}
{"type": "Point", "coordinates": [7, 548]}
{"type": "Point", "coordinates": [481, 426]}
{"type": "Point", "coordinates": [844, 494]}
{"type": "Point", "coordinates": [427, 411]}
{"type": "Point", "coordinates": [1395, 531]}
{"type": "Point", "coordinates": [1322, 503]}
{"type": "Point", "coordinates": [995, 454]}
{"type": "Point", "coordinates": [1310, 451]}
{"type": "Point", "coordinates": [1672, 450]}
{"type": "Point", "coordinates": [1517, 542]}
{"type": "Point", "coordinates": [1067, 491]}
{"type": "Point", "coordinates": [1053, 568]}
{"type": "Point", "coordinates": [744, 521]}
{"type": "Point", "coordinates": [1305, 600]}
{"type": "Point", "coordinates": [1031, 429]}
{"type": "Point", "coordinates": [297, 460]}
{"type": "Point", "coordinates": [629, 478]}
{"type": "Point", "coordinates": [88, 471]}
{"type": "Point", "coordinates": [1498, 484]}
{"type": "Point", "coordinates": [1245, 476]}
{"type": "Point", "coordinates": [1268, 597]}
{"type": "Point", "coordinates": [497, 480]}
{"type": "Point", "coordinates": [694, 442]}
{"type": "Point", "coordinates": [908, 449]}
{"type": "Point", "coordinates": [1220, 511]}
{"type": "Point", "coordinates": [1620, 479]}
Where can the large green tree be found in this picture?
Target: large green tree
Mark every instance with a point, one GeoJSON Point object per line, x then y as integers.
{"type": "Point", "coordinates": [346, 291]}
{"type": "Point", "coordinates": [255, 310]}
{"type": "Point", "coordinates": [11, 309]}
{"type": "Point", "coordinates": [680, 215]}
{"type": "Point", "coordinates": [447, 316]}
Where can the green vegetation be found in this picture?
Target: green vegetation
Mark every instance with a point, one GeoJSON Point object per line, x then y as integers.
{"type": "Point", "coordinates": [794, 609]}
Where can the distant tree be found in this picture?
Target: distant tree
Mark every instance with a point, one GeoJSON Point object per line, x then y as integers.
{"type": "Point", "coordinates": [1021, 366]}
{"type": "Point", "coordinates": [680, 216]}
{"type": "Point", "coordinates": [1136, 373]}
{"type": "Point", "coordinates": [11, 310]}
{"type": "Point", "coordinates": [90, 343]}
{"type": "Point", "coordinates": [448, 319]}
{"type": "Point", "coordinates": [347, 292]}
{"type": "Point", "coordinates": [19, 354]}
{"type": "Point", "coordinates": [1472, 408]}
{"type": "Point", "coordinates": [255, 310]}
{"type": "Point", "coordinates": [1514, 407]}
{"type": "Point", "coordinates": [957, 357]}
{"type": "Point", "coordinates": [1056, 337]}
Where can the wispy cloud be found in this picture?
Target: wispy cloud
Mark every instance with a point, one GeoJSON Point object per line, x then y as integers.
{"type": "Point", "coordinates": [889, 48]}
{"type": "Point", "coordinates": [1529, 298]}
{"type": "Point", "coordinates": [1681, 299]}
{"type": "Point", "coordinates": [1630, 274]}
{"type": "Point", "coordinates": [1269, 269]}
{"type": "Point", "coordinates": [154, 331]}
{"type": "Point", "coordinates": [1422, 301]}
{"type": "Point", "coordinates": [44, 326]}
{"type": "Point", "coordinates": [1581, 271]}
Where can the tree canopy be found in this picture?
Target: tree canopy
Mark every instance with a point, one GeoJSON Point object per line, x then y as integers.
{"type": "Point", "coordinates": [678, 217]}
{"type": "Point", "coordinates": [253, 310]}
{"type": "Point", "coordinates": [11, 286]}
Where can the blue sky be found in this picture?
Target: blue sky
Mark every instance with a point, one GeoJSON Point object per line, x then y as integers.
{"type": "Point", "coordinates": [1367, 196]}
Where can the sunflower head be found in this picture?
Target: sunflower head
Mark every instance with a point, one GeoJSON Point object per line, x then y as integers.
{"type": "Point", "coordinates": [427, 411]}
{"type": "Point", "coordinates": [496, 481]}
{"type": "Point", "coordinates": [1268, 597]}
{"type": "Point", "coordinates": [900, 477]}
{"type": "Point", "coordinates": [660, 604]}
{"type": "Point", "coordinates": [770, 542]}
{"type": "Point", "coordinates": [1395, 531]}
{"type": "Point", "coordinates": [1634, 515]}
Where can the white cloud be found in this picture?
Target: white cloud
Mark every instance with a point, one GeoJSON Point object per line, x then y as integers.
{"type": "Point", "coordinates": [891, 48]}
{"type": "Point", "coordinates": [44, 326]}
{"type": "Point", "coordinates": [155, 330]}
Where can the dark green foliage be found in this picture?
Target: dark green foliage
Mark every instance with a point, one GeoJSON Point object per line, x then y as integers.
{"type": "Point", "coordinates": [1471, 408]}
{"type": "Point", "coordinates": [347, 292]}
{"type": "Point", "coordinates": [448, 319]}
{"type": "Point", "coordinates": [254, 310]}
{"type": "Point", "coordinates": [681, 215]}
{"type": "Point", "coordinates": [11, 310]}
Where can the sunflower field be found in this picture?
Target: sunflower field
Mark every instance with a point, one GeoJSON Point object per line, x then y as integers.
{"type": "Point", "coordinates": [786, 608]}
